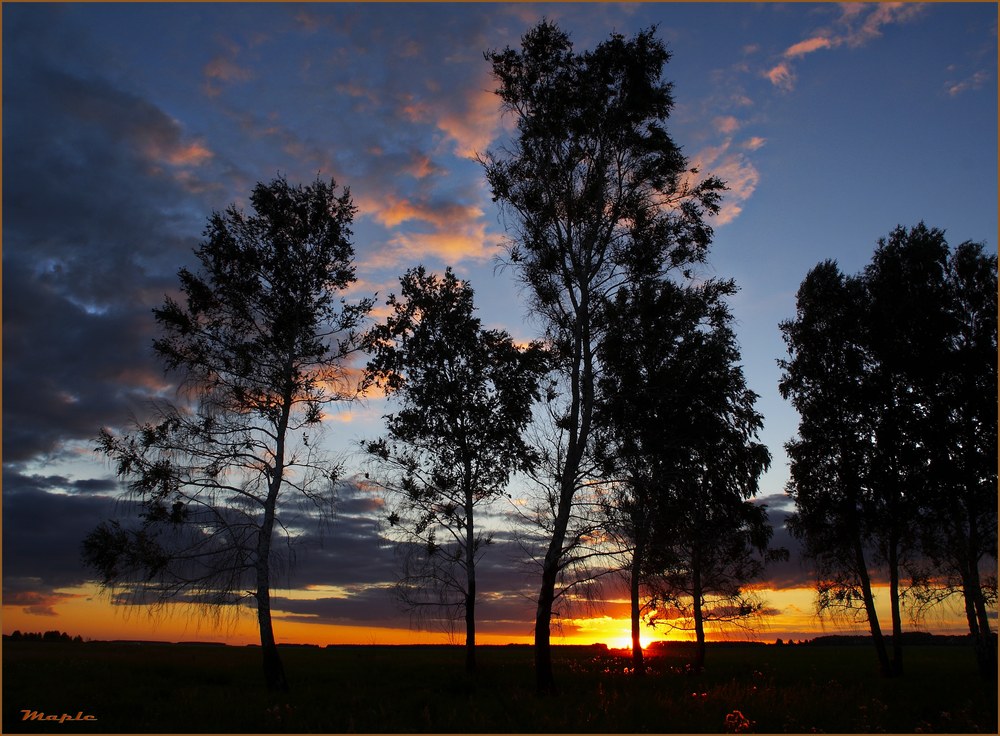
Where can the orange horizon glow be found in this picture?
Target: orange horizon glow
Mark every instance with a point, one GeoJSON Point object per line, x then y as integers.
{"type": "Point", "coordinates": [85, 612]}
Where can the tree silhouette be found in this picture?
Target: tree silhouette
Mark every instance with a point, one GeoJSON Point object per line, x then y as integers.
{"type": "Point", "coordinates": [260, 343]}
{"type": "Point", "coordinates": [465, 396]}
{"type": "Point", "coordinates": [958, 519]}
{"type": "Point", "coordinates": [908, 328]}
{"type": "Point", "coordinates": [595, 192]}
{"type": "Point", "coordinates": [680, 430]}
{"type": "Point", "coordinates": [891, 372]}
{"type": "Point", "coordinates": [831, 458]}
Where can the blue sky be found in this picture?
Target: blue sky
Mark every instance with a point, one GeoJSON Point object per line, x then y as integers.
{"type": "Point", "coordinates": [126, 125]}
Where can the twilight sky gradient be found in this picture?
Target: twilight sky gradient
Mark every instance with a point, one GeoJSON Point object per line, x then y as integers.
{"type": "Point", "coordinates": [125, 125]}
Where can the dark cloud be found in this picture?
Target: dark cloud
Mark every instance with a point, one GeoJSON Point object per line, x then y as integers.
{"type": "Point", "coordinates": [16, 484]}
{"type": "Point", "coordinates": [42, 534]}
{"type": "Point", "coordinates": [774, 501]}
{"type": "Point", "coordinates": [97, 219]}
{"type": "Point", "coordinates": [793, 572]}
{"type": "Point", "coordinates": [36, 603]}
{"type": "Point", "coordinates": [67, 372]}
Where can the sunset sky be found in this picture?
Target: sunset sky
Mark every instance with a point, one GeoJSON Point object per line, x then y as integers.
{"type": "Point", "coordinates": [125, 126]}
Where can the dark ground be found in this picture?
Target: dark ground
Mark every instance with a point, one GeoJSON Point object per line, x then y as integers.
{"type": "Point", "coordinates": [188, 688]}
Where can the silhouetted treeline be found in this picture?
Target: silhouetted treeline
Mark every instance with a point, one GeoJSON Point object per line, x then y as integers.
{"type": "Point", "coordinates": [915, 638]}
{"type": "Point", "coordinates": [54, 635]}
{"type": "Point", "coordinates": [893, 372]}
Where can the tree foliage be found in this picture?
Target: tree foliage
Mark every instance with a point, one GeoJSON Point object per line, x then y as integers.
{"type": "Point", "coordinates": [260, 344]}
{"type": "Point", "coordinates": [465, 396]}
{"type": "Point", "coordinates": [876, 367]}
{"type": "Point", "coordinates": [594, 192]}
{"type": "Point", "coordinates": [958, 520]}
{"type": "Point", "coordinates": [679, 431]}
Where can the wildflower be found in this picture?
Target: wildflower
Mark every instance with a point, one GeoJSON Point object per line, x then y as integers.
{"type": "Point", "coordinates": [736, 722]}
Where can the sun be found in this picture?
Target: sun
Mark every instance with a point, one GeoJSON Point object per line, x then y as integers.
{"type": "Point", "coordinates": [625, 640]}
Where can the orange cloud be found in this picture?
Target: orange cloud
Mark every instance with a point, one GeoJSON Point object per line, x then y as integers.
{"type": "Point", "coordinates": [735, 169]}
{"type": "Point", "coordinates": [470, 121]}
{"type": "Point", "coordinates": [858, 24]}
{"type": "Point", "coordinates": [752, 144]}
{"type": "Point", "coordinates": [226, 70]}
{"type": "Point", "coordinates": [781, 76]}
{"type": "Point", "coordinates": [976, 81]}
{"type": "Point", "coordinates": [193, 154]}
{"type": "Point", "coordinates": [808, 46]}
{"type": "Point", "coordinates": [458, 232]}
{"type": "Point", "coordinates": [451, 247]}
{"type": "Point", "coordinates": [392, 212]}
{"type": "Point", "coordinates": [474, 125]}
{"type": "Point", "coordinates": [882, 14]}
{"type": "Point", "coordinates": [421, 167]}
{"type": "Point", "coordinates": [726, 124]}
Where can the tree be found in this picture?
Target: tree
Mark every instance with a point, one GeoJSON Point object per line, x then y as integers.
{"type": "Point", "coordinates": [595, 192]}
{"type": "Point", "coordinates": [260, 343]}
{"type": "Point", "coordinates": [680, 430]}
{"type": "Point", "coordinates": [892, 370]}
{"type": "Point", "coordinates": [466, 395]}
{"type": "Point", "coordinates": [907, 336]}
{"type": "Point", "coordinates": [958, 522]}
{"type": "Point", "coordinates": [831, 458]}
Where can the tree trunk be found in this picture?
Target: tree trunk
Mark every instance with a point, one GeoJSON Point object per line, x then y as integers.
{"type": "Point", "coordinates": [638, 664]}
{"type": "Point", "coordinates": [581, 409]}
{"type": "Point", "coordinates": [983, 639]}
{"type": "Point", "coordinates": [897, 623]}
{"type": "Point", "coordinates": [970, 606]}
{"type": "Point", "coordinates": [470, 571]}
{"type": "Point", "coordinates": [274, 671]}
{"type": "Point", "coordinates": [866, 592]}
{"type": "Point", "coordinates": [544, 678]}
{"type": "Point", "coordinates": [699, 623]}
{"type": "Point", "coordinates": [470, 628]}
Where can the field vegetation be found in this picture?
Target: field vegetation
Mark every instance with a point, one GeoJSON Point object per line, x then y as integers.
{"type": "Point", "coordinates": [190, 688]}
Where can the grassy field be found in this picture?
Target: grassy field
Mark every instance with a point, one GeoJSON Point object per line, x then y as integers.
{"type": "Point", "coordinates": [157, 688]}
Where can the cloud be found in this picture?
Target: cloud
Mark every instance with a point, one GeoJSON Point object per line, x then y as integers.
{"type": "Point", "coordinates": [808, 46]}
{"type": "Point", "coordinates": [457, 231]}
{"type": "Point", "coordinates": [44, 523]}
{"type": "Point", "coordinates": [180, 154]}
{"type": "Point", "coordinates": [308, 22]}
{"type": "Point", "coordinates": [795, 572]}
{"type": "Point", "coordinates": [857, 25]}
{"type": "Point", "coordinates": [781, 76]}
{"type": "Point", "coordinates": [469, 118]}
{"type": "Point", "coordinates": [37, 603]}
{"type": "Point", "coordinates": [391, 212]}
{"type": "Point", "coordinates": [726, 124]}
{"type": "Point", "coordinates": [752, 144]}
{"type": "Point", "coordinates": [105, 195]}
{"type": "Point", "coordinates": [474, 124]}
{"type": "Point", "coordinates": [735, 169]}
{"type": "Point", "coordinates": [225, 69]}
{"type": "Point", "coordinates": [449, 247]}
{"type": "Point", "coordinates": [976, 81]}
{"type": "Point", "coordinates": [861, 28]}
